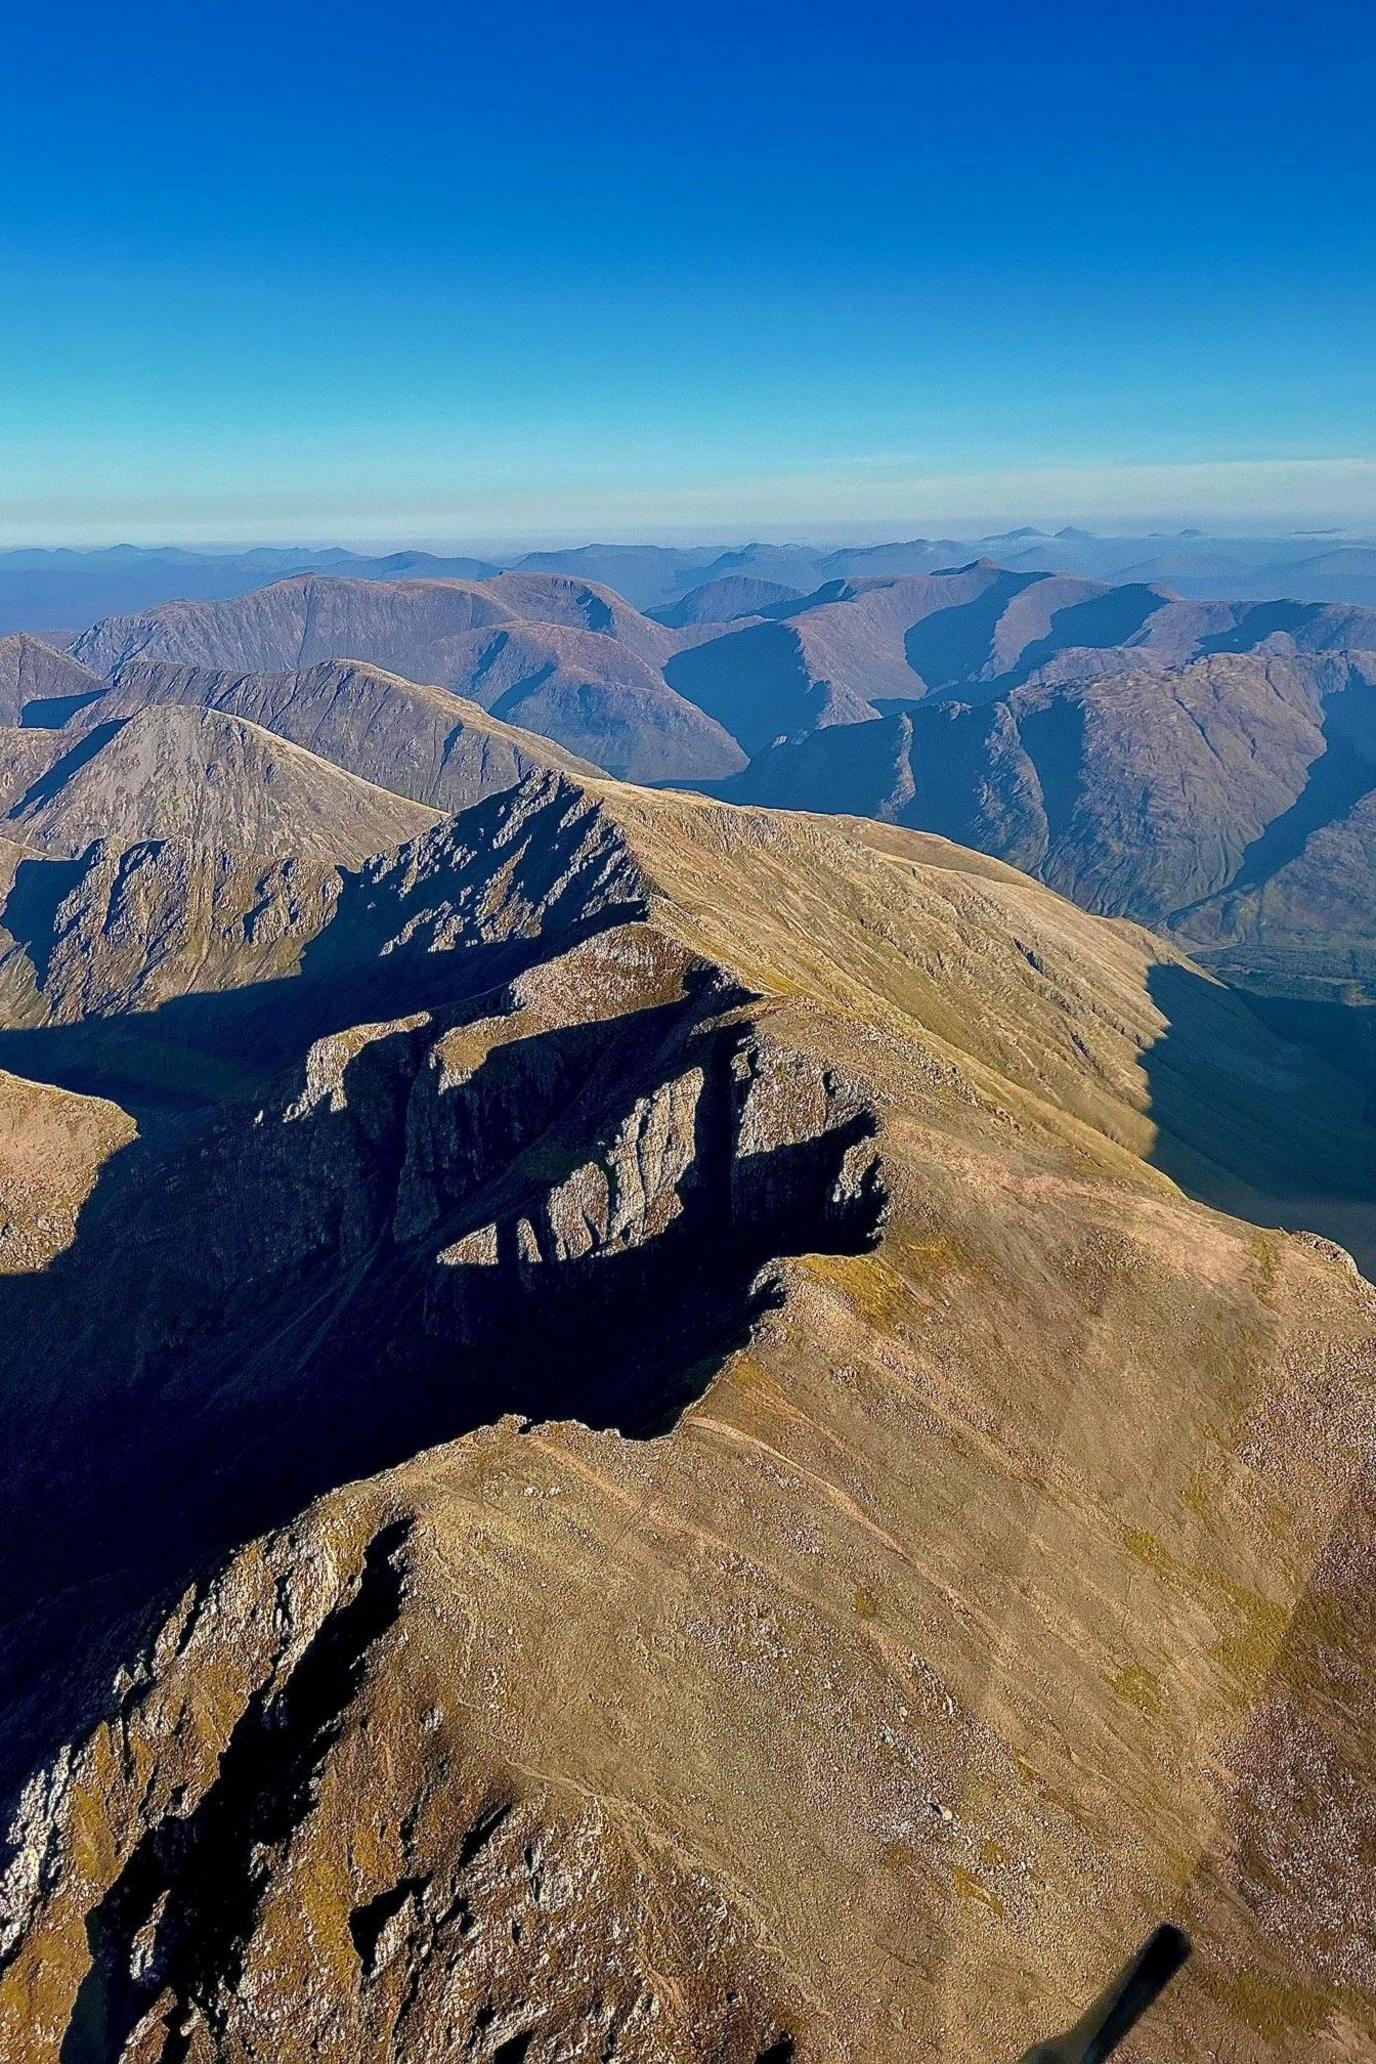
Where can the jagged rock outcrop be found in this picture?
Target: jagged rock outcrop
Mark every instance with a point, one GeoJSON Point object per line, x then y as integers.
{"type": "Point", "coordinates": [120, 930]}
{"type": "Point", "coordinates": [883, 1542]}
{"type": "Point", "coordinates": [127, 929]}
{"type": "Point", "coordinates": [500, 1910]}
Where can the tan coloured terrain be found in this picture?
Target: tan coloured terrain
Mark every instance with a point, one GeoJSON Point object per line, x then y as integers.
{"type": "Point", "coordinates": [996, 1580]}
{"type": "Point", "coordinates": [201, 776]}
{"type": "Point", "coordinates": [426, 743]}
{"type": "Point", "coordinates": [52, 1148]}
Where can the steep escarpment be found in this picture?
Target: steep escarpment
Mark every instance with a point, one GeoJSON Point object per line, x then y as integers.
{"type": "Point", "coordinates": [432, 1221]}
{"type": "Point", "coordinates": [183, 945]}
{"type": "Point", "coordinates": [503, 1912]}
{"type": "Point", "coordinates": [431, 1224]}
{"type": "Point", "coordinates": [680, 1467]}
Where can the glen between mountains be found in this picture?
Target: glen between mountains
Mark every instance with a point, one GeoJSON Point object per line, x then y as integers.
{"type": "Point", "coordinates": [656, 1405]}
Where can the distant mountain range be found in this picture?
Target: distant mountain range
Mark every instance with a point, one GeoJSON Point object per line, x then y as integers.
{"type": "Point", "coordinates": [634, 1428]}
{"type": "Point", "coordinates": [1206, 767]}
{"type": "Point", "coordinates": [60, 590]}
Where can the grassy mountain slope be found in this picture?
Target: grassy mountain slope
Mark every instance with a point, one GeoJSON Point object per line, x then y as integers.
{"type": "Point", "coordinates": [942, 1546]}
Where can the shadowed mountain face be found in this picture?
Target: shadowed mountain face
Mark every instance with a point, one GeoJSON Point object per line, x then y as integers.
{"type": "Point", "coordinates": [552, 655]}
{"type": "Point", "coordinates": [1198, 765]}
{"type": "Point", "coordinates": [1221, 796]}
{"type": "Point", "coordinates": [49, 684]}
{"type": "Point", "coordinates": [549, 1478]}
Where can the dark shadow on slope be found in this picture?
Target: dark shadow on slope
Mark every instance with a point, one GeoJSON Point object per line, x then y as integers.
{"type": "Point", "coordinates": [392, 945]}
{"type": "Point", "coordinates": [30, 912]}
{"type": "Point", "coordinates": [953, 649]}
{"type": "Point", "coordinates": [491, 653]}
{"type": "Point", "coordinates": [949, 648]}
{"type": "Point", "coordinates": [193, 1051]}
{"type": "Point", "coordinates": [1335, 781]}
{"type": "Point", "coordinates": [1340, 1036]}
{"type": "Point", "coordinates": [1264, 1109]}
{"type": "Point", "coordinates": [246, 1324]}
{"type": "Point", "coordinates": [1260, 623]}
{"type": "Point", "coordinates": [753, 682]}
{"type": "Point", "coordinates": [861, 769]}
{"type": "Point", "coordinates": [55, 779]}
{"type": "Point", "coordinates": [508, 704]}
{"type": "Point", "coordinates": [179, 1914]}
{"type": "Point", "coordinates": [799, 605]}
{"type": "Point", "coordinates": [1099, 623]}
{"type": "Point", "coordinates": [52, 712]}
{"type": "Point", "coordinates": [1053, 737]}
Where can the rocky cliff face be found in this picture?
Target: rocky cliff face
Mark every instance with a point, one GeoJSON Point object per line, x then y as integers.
{"type": "Point", "coordinates": [666, 1472]}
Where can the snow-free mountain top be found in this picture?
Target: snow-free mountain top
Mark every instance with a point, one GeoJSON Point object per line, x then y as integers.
{"type": "Point", "coordinates": [48, 590]}
{"type": "Point", "coordinates": [637, 1269]}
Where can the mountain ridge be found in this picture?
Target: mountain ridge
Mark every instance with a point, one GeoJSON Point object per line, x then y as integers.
{"type": "Point", "coordinates": [923, 1102]}
{"type": "Point", "coordinates": [578, 669]}
{"type": "Point", "coordinates": [207, 777]}
{"type": "Point", "coordinates": [41, 590]}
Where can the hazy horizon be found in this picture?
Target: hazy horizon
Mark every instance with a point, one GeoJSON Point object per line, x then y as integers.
{"type": "Point", "coordinates": [733, 533]}
{"type": "Point", "coordinates": [611, 276]}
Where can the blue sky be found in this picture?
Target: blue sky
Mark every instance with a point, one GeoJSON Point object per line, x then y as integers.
{"type": "Point", "coordinates": [455, 272]}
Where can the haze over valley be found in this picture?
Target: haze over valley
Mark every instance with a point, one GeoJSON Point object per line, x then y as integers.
{"type": "Point", "coordinates": [417, 1053]}
{"type": "Point", "coordinates": [688, 1035]}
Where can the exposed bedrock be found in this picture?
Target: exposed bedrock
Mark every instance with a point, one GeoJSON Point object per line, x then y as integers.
{"type": "Point", "coordinates": [261, 1899]}
{"type": "Point", "coordinates": [430, 1225]}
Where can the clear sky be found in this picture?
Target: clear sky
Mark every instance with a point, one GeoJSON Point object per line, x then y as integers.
{"type": "Point", "coordinates": [318, 271]}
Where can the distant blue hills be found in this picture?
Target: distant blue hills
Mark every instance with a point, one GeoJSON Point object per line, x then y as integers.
{"type": "Point", "coordinates": [62, 590]}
